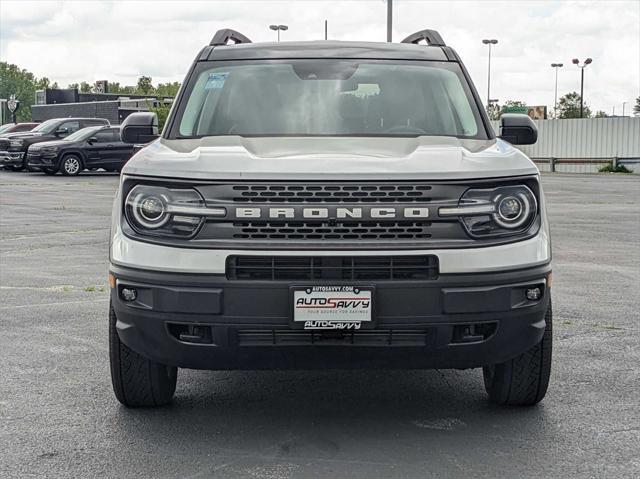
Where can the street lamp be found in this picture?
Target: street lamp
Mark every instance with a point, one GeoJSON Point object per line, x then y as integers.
{"type": "Point", "coordinates": [624, 103]}
{"type": "Point", "coordinates": [277, 28]}
{"type": "Point", "coordinates": [489, 42]}
{"type": "Point", "coordinates": [576, 62]}
{"type": "Point", "coordinates": [555, 101]}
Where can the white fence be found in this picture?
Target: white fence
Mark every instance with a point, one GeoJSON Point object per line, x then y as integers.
{"type": "Point", "coordinates": [584, 145]}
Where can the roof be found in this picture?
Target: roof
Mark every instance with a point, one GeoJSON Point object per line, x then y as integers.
{"type": "Point", "coordinates": [324, 49]}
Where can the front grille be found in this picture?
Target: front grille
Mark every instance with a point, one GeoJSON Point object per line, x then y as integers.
{"type": "Point", "coordinates": [288, 337]}
{"type": "Point", "coordinates": [329, 231]}
{"type": "Point", "coordinates": [331, 193]}
{"type": "Point", "coordinates": [344, 268]}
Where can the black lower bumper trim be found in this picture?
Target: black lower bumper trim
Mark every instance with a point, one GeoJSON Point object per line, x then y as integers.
{"type": "Point", "coordinates": [209, 322]}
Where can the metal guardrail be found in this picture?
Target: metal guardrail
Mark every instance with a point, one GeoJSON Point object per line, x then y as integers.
{"type": "Point", "coordinates": [552, 163]}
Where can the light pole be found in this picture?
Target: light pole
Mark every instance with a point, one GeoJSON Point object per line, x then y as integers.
{"type": "Point", "coordinates": [624, 103]}
{"type": "Point", "coordinates": [389, 19]}
{"type": "Point", "coordinates": [278, 28]}
{"type": "Point", "coordinates": [489, 42]}
{"type": "Point", "coordinates": [576, 62]}
{"type": "Point", "coordinates": [555, 98]}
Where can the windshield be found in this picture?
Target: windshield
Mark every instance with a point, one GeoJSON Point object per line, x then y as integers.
{"type": "Point", "coordinates": [83, 134]}
{"type": "Point", "coordinates": [4, 128]}
{"type": "Point", "coordinates": [328, 97]}
{"type": "Point", "coordinates": [47, 126]}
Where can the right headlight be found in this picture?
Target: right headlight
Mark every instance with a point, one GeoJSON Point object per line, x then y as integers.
{"type": "Point", "coordinates": [491, 212]}
{"type": "Point", "coordinates": [160, 211]}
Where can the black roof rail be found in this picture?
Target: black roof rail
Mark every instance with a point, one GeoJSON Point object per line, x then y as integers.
{"type": "Point", "coordinates": [432, 38]}
{"type": "Point", "coordinates": [223, 36]}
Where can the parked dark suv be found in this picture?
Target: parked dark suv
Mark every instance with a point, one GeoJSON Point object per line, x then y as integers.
{"type": "Point", "coordinates": [13, 148]}
{"type": "Point", "coordinates": [93, 147]}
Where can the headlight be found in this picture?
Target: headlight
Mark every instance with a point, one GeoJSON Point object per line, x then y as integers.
{"type": "Point", "coordinates": [16, 143]}
{"type": "Point", "coordinates": [160, 211]}
{"type": "Point", "coordinates": [49, 149]}
{"type": "Point", "coordinates": [502, 211]}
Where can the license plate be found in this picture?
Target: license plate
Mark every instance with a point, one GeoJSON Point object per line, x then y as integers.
{"type": "Point", "coordinates": [332, 307]}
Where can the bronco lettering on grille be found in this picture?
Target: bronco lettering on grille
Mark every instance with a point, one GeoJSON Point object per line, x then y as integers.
{"type": "Point", "coordinates": [336, 212]}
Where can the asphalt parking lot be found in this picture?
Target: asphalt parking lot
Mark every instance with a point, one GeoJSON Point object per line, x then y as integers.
{"type": "Point", "coordinates": [59, 418]}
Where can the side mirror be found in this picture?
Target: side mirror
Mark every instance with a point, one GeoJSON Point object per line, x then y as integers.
{"type": "Point", "coordinates": [60, 132]}
{"type": "Point", "coordinates": [92, 140]}
{"type": "Point", "coordinates": [518, 129]}
{"type": "Point", "coordinates": [140, 127]}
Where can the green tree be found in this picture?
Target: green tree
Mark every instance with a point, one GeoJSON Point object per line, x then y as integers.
{"type": "Point", "coordinates": [167, 89]}
{"type": "Point", "coordinates": [601, 114]}
{"type": "Point", "coordinates": [145, 87]}
{"type": "Point", "coordinates": [569, 106]}
{"type": "Point", "coordinates": [114, 87]}
{"type": "Point", "coordinates": [86, 87]}
{"type": "Point", "coordinates": [514, 103]}
{"type": "Point", "coordinates": [636, 107]}
{"type": "Point", "coordinates": [22, 84]}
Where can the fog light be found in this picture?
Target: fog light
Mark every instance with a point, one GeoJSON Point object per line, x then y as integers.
{"type": "Point", "coordinates": [533, 294]}
{"type": "Point", "coordinates": [129, 294]}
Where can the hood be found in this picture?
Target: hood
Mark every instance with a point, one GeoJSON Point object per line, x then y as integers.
{"type": "Point", "coordinates": [337, 158]}
{"type": "Point", "coordinates": [21, 134]}
{"type": "Point", "coordinates": [44, 144]}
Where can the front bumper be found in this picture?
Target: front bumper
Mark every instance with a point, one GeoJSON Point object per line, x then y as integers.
{"type": "Point", "coordinates": [39, 160]}
{"type": "Point", "coordinates": [12, 158]}
{"type": "Point", "coordinates": [455, 321]}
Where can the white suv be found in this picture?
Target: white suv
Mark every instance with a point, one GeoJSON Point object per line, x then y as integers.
{"type": "Point", "coordinates": [329, 205]}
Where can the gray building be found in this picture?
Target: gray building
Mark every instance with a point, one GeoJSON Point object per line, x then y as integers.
{"type": "Point", "coordinates": [115, 107]}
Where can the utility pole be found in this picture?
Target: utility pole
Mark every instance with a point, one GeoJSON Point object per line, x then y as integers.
{"type": "Point", "coordinates": [624, 103]}
{"type": "Point", "coordinates": [389, 20]}
{"type": "Point", "coordinates": [581, 67]}
{"type": "Point", "coordinates": [555, 100]}
{"type": "Point", "coordinates": [325, 29]}
{"type": "Point", "coordinates": [489, 42]}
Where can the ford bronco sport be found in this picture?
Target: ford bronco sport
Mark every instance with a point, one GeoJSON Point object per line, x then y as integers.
{"type": "Point", "coordinates": [329, 205]}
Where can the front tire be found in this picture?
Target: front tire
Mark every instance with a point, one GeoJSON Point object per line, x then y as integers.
{"type": "Point", "coordinates": [71, 165]}
{"type": "Point", "coordinates": [523, 380]}
{"type": "Point", "coordinates": [137, 381]}
{"type": "Point", "coordinates": [16, 167]}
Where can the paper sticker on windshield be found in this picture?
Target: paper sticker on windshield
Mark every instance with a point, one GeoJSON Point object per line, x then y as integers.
{"type": "Point", "coordinates": [216, 81]}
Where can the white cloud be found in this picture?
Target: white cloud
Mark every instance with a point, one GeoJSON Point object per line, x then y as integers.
{"type": "Point", "coordinates": [119, 41]}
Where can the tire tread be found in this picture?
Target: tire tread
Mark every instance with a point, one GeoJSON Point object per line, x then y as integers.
{"type": "Point", "coordinates": [523, 380]}
{"type": "Point", "coordinates": [137, 381]}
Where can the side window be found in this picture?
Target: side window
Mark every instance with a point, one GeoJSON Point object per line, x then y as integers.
{"type": "Point", "coordinates": [70, 126]}
{"type": "Point", "coordinates": [87, 123]}
{"type": "Point", "coordinates": [105, 136]}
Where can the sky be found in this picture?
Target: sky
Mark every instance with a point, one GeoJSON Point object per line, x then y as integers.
{"type": "Point", "coordinates": [73, 41]}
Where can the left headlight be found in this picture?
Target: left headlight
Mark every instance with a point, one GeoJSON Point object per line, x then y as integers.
{"type": "Point", "coordinates": [492, 212]}
{"type": "Point", "coordinates": [160, 211]}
